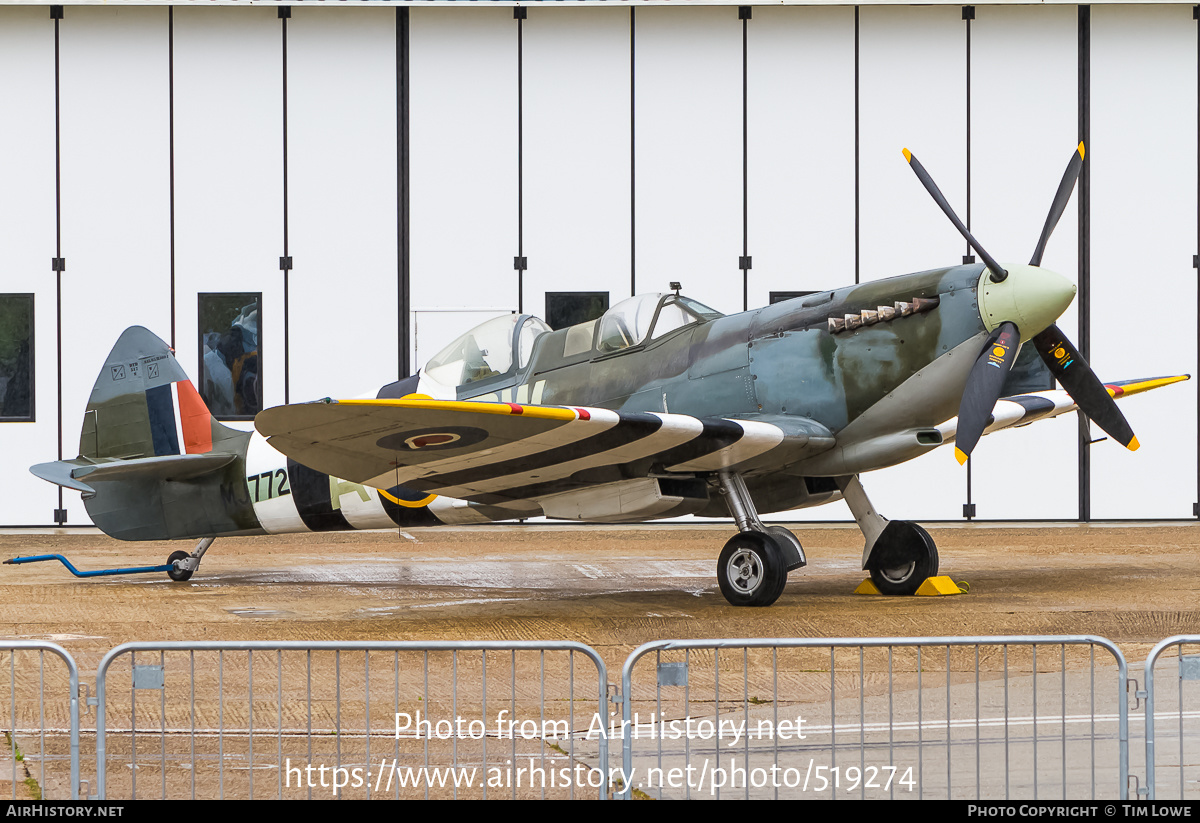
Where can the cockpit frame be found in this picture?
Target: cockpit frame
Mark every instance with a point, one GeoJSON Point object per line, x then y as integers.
{"type": "Point", "coordinates": [533, 348]}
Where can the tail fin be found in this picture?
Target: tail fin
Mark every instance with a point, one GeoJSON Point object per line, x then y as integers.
{"type": "Point", "coordinates": [153, 462]}
{"type": "Point", "coordinates": [144, 405]}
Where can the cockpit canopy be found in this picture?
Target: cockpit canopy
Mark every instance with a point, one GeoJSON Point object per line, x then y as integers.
{"type": "Point", "coordinates": [485, 353]}
{"type": "Point", "coordinates": [648, 317]}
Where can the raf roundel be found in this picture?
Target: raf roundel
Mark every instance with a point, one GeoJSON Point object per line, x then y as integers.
{"type": "Point", "coordinates": [450, 437]}
{"type": "Point", "coordinates": [421, 441]}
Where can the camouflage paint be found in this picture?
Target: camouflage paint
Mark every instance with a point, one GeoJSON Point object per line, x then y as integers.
{"type": "Point", "coordinates": [778, 360]}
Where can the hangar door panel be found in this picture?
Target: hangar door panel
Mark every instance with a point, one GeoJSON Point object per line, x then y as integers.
{"type": "Point", "coordinates": [463, 84]}
{"type": "Point", "coordinates": [342, 201]}
{"type": "Point", "coordinates": [1014, 175]}
{"type": "Point", "coordinates": [116, 191]}
{"type": "Point", "coordinates": [800, 77]}
{"type": "Point", "coordinates": [26, 246]}
{"type": "Point", "coordinates": [1143, 238]}
{"type": "Point", "coordinates": [576, 152]}
{"type": "Point", "coordinates": [229, 173]}
{"type": "Point", "coordinates": [912, 93]}
{"type": "Point", "coordinates": [688, 65]}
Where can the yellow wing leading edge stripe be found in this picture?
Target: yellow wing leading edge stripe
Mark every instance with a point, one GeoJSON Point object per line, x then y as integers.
{"type": "Point", "coordinates": [541, 412]}
{"type": "Point", "coordinates": [1139, 386]}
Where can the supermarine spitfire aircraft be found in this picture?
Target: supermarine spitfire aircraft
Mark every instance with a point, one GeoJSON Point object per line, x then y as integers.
{"type": "Point", "coordinates": [659, 408]}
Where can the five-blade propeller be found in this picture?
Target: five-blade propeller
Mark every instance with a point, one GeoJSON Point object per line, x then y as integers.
{"type": "Point", "coordinates": [986, 380]}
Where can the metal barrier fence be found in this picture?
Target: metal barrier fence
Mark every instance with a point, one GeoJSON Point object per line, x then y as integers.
{"type": "Point", "coordinates": [959, 717]}
{"type": "Point", "coordinates": [1167, 764]}
{"type": "Point", "coordinates": [355, 720]}
{"type": "Point", "coordinates": [979, 717]}
{"type": "Point", "coordinates": [41, 726]}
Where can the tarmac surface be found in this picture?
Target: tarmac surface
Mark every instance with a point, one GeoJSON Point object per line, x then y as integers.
{"type": "Point", "coordinates": [611, 588]}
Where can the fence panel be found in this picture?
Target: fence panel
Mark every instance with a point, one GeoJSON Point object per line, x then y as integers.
{"type": "Point", "coordinates": [1172, 709]}
{"type": "Point", "coordinates": [351, 720]}
{"type": "Point", "coordinates": [39, 752]}
{"type": "Point", "coordinates": [987, 718]}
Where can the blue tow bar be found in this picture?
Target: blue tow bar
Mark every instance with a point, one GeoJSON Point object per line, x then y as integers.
{"type": "Point", "coordinates": [98, 573]}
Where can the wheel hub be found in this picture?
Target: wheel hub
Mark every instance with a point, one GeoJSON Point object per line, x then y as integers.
{"type": "Point", "coordinates": [899, 574]}
{"type": "Point", "coordinates": [745, 571]}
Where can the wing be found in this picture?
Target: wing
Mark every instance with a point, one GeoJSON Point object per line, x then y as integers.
{"type": "Point", "coordinates": [512, 455]}
{"type": "Point", "coordinates": [1023, 409]}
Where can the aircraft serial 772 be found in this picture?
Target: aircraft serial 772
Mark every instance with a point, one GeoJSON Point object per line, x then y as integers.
{"type": "Point", "coordinates": [659, 408]}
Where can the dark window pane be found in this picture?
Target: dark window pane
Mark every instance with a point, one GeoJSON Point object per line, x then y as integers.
{"type": "Point", "coordinates": [230, 354]}
{"type": "Point", "coordinates": [16, 357]}
{"type": "Point", "coordinates": [780, 296]}
{"type": "Point", "coordinates": [570, 308]}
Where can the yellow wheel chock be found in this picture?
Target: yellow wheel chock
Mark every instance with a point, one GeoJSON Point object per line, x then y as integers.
{"type": "Point", "coordinates": [932, 587]}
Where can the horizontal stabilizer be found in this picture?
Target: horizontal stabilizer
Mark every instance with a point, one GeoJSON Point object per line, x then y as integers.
{"type": "Point", "coordinates": [69, 473]}
{"type": "Point", "coordinates": [59, 473]}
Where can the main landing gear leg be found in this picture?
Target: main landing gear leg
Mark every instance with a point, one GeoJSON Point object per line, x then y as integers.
{"type": "Point", "coordinates": [753, 566]}
{"type": "Point", "coordinates": [899, 555]}
{"type": "Point", "coordinates": [186, 564]}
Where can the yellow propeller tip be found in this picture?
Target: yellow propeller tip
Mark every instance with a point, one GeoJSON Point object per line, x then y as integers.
{"type": "Point", "coordinates": [1080, 149]}
{"type": "Point", "coordinates": [1134, 445]}
{"type": "Point", "coordinates": [907, 155]}
{"type": "Point", "coordinates": [960, 455]}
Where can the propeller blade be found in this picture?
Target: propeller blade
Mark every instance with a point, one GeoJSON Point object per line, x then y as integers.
{"type": "Point", "coordinates": [1060, 203]}
{"type": "Point", "coordinates": [1073, 374]}
{"type": "Point", "coordinates": [998, 273]}
{"type": "Point", "coordinates": [984, 384]}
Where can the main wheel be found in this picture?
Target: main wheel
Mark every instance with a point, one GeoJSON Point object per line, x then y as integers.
{"type": "Point", "coordinates": [178, 575]}
{"type": "Point", "coordinates": [904, 556]}
{"type": "Point", "coordinates": [750, 570]}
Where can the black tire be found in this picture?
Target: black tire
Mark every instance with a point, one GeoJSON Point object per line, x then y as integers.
{"type": "Point", "coordinates": [178, 575]}
{"type": "Point", "coordinates": [904, 556]}
{"type": "Point", "coordinates": [750, 570]}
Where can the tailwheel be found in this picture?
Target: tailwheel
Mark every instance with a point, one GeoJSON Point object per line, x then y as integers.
{"type": "Point", "coordinates": [187, 563]}
{"type": "Point", "coordinates": [751, 570]}
{"type": "Point", "coordinates": [903, 557]}
{"type": "Point", "coordinates": [176, 573]}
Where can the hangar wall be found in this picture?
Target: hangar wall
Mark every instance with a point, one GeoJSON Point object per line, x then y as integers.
{"type": "Point", "coordinates": [402, 159]}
